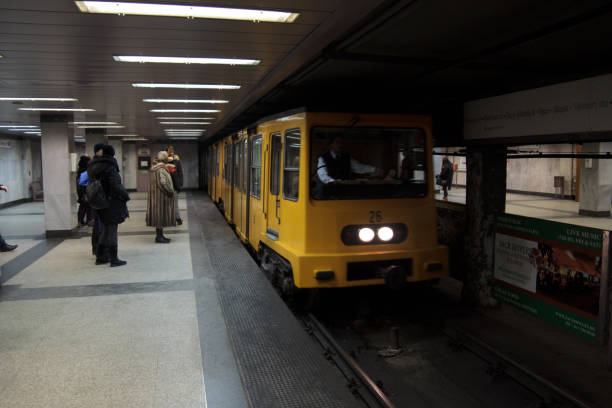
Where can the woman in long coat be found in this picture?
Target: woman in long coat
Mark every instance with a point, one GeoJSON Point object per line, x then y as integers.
{"type": "Point", "coordinates": [160, 205]}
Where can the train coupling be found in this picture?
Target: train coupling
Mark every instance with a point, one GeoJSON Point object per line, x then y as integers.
{"type": "Point", "coordinates": [394, 276]}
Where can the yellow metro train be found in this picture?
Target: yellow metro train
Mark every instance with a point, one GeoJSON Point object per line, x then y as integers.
{"type": "Point", "coordinates": [332, 200]}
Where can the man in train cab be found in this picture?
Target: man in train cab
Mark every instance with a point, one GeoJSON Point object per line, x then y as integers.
{"type": "Point", "coordinates": [336, 166]}
{"type": "Point", "coordinates": [4, 246]}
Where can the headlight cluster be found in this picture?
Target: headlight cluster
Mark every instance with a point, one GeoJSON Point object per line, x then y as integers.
{"type": "Point", "coordinates": [374, 234]}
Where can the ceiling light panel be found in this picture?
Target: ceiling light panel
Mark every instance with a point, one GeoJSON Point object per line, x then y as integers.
{"type": "Point", "coordinates": [181, 118]}
{"type": "Point", "coordinates": [39, 99]}
{"type": "Point", "coordinates": [185, 110]}
{"type": "Point", "coordinates": [184, 123]}
{"type": "Point", "coordinates": [94, 123]}
{"type": "Point", "coordinates": [101, 127]}
{"type": "Point", "coordinates": [171, 10]}
{"type": "Point", "coordinates": [57, 109]}
{"type": "Point", "coordinates": [19, 126]}
{"type": "Point", "coordinates": [185, 100]}
{"type": "Point", "coordinates": [185, 60]}
{"type": "Point", "coordinates": [186, 86]}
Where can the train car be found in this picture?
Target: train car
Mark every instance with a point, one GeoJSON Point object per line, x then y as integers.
{"type": "Point", "coordinates": [335, 200]}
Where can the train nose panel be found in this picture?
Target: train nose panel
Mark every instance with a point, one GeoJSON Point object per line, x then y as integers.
{"type": "Point", "coordinates": [393, 270]}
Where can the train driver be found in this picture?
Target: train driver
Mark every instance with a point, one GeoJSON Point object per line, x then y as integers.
{"type": "Point", "coordinates": [335, 165]}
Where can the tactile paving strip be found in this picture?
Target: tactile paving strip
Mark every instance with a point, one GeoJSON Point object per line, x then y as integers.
{"type": "Point", "coordinates": [278, 361]}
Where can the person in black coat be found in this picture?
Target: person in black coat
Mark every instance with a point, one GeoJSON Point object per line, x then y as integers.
{"type": "Point", "coordinates": [446, 174]}
{"type": "Point", "coordinates": [104, 168]}
{"type": "Point", "coordinates": [84, 207]}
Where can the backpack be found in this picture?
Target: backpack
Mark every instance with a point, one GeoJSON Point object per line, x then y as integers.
{"type": "Point", "coordinates": [96, 197]}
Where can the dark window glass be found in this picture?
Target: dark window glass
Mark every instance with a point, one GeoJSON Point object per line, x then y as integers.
{"type": "Point", "coordinates": [256, 167]}
{"type": "Point", "coordinates": [275, 164]}
{"type": "Point", "coordinates": [291, 171]}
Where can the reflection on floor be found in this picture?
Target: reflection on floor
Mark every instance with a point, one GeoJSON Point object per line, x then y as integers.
{"type": "Point", "coordinates": [546, 208]}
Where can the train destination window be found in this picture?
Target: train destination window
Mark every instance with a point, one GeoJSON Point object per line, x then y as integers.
{"type": "Point", "coordinates": [366, 162]}
{"type": "Point", "coordinates": [292, 164]}
{"type": "Point", "coordinates": [275, 164]}
{"type": "Point", "coordinates": [256, 167]}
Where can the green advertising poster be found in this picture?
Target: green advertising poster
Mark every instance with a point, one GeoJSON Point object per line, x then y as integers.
{"type": "Point", "coordinates": [550, 270]}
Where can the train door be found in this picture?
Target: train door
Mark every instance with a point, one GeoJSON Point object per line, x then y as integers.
{"type": "Point", "coordinates": [227, 180]}
{"type": "Point", "coordinates": [237, 183]}
{"type": "Point", "coordinates": [256, 196]}
{"type": "Point", "coordinates": [273, 201]}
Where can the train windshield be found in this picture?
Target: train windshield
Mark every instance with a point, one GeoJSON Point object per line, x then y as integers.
{"type": "Point", "coordinates": [361, 163]}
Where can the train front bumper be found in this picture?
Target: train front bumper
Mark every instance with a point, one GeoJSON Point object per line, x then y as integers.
{"type": "Point", "coordinates": [389, 267]}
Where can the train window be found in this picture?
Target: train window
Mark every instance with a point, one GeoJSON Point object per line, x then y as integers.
{"type": "Point", "coordinates": [362, 162]}
{"type": "Point", "coordinates": [291, 171]}
{"type": "Point", "coordinates": [245, 160]}
{"type": "Point", "coordinates": [275, 164]}
{"type": "Point", "coordinates": [256, 167]}
{"type": "Point", "coordinates": [236, 170]}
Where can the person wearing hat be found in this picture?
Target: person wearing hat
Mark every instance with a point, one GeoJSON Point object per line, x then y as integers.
{"type": "Point", "coordinates": [97, 225]}
{"type": "Point", "coordinates": [176, 172]}
{"type": "Point", "coordinates": [104, 168]}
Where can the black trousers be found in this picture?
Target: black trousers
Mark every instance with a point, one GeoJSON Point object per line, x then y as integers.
{"type": "Point", "coordinates": [109, 235]}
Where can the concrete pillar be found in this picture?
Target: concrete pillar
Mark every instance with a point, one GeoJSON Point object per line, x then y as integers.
{"type": "Point", "coordinates": [130, 166]}
{"type": "Point", "coordinates": [485, 200]}
{"type": "Point", "coordinates": [92, 137]}
{"type": "Point", "coordinates": [59, 183]}
{"type": "Point", "coordinates": [596, 182]}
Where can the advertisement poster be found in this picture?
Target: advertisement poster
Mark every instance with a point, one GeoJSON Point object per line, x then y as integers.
{"type": "Point", "coordinates": [551, 270]}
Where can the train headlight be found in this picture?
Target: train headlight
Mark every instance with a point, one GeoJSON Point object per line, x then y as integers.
{"type": "Point", "coordinates": [366, 234]}
{"type": "Point", "coordinates": [385, 234]}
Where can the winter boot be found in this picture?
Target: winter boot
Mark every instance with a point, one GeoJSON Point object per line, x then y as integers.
{"type": "Point", "coordinates": [101, 255]}
{"type": "Point", "coordinates": [159, 238]}
{"type": "Point", "coordinates": [114, 261]}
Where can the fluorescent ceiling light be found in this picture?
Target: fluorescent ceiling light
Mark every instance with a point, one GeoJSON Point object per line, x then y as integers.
{"type": "Point", "coordinates": [185, 100]}
{"type": "Point", "coordinates": [40, 99]}
{"type": "Point", "coordinates": [181, 118]}
{"type": "Point", "coordinates": [31, 133]}
{"type": "Point", "coordinates": [94, 123]}
{"type": "Point", "coordinates": [185, 60]}
{"type": "Point", "coordinates": [58, 109]}
{"type": "Point", "coordinates": [123, 135]}
{"type": "Point", "coordinates": [101, 127]}
{"type": "Point", "coordinates": [184, 130]}
{"type": "Point", "coordinates": [171, 10]}
{"type": "Point", "coordinates": [186, 110]}
{"type": "Point", "coordinates": [184, 138]}
{"type": "Point", "coordinates": [186, 86]}
{"type": "Point", "coordinates": [24, 129]}
{"type": "Point", "coordinates": [184, 123]}
{"type": "Point", "coordinates": [18, 126]}
{"type": "Point", "coordinates": [134, 139]}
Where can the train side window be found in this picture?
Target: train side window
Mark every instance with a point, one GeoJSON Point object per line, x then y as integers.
{"type": "Point", "coordinates": [275, 164]}
{"type": "Point", "coordinates": [292, 165]}
{"type": "Point", "coordinates": [256, 167]}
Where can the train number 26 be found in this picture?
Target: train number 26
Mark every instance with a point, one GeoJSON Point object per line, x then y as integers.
{"type": "Point", "coordinates": [376, 216]}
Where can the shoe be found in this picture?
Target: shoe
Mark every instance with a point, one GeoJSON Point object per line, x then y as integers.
{"type": "Point", "coordinates": [102, 255]}
{"type": "Point", "coordinates": [7, 247]}
{"type": "Point", "coordinates": [114, 261]}
{"type": "Point", "coordinates": [179, 221]}
{"type": "Point", "coordinates": [159, 237]}
{"type": "Point", "coordinates": [444, 198]}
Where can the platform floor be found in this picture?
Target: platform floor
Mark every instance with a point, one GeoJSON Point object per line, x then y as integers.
{"type": "Point", "coordinates": [546, 208]}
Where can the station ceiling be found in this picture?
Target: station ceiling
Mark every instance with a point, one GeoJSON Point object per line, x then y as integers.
{"type": "Point", "coordinates": [359, 55]}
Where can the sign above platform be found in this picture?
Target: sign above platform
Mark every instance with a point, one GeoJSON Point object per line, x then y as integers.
{"type": "Point", "coordinates": [576, 107]}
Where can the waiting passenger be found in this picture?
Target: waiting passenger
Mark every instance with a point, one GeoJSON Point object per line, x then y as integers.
{"type": "Point", "coordinates": [97, 225]}
{"type": "Point", "coordinates": [445, 176]}
{"type": "Point", "coordinates": [160, 204]}
{"type": "Point", "coordinates": [4, 246]}
{"type": "Point", "coordinates": [104, 168]}
{"type": "Point", "coordinates": [336, 165]}
{"type": "Point", "coordinates": [175, 168]}
{"type": "Point", "coordinates": [85, 213]}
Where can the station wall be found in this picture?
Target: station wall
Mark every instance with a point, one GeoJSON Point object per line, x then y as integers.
{"type": "Point", "coordinates": [20, 164]}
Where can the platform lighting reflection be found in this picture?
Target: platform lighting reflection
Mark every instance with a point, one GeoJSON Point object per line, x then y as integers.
{"type": "Point", "coordinates": [172, 10]}
{"type": "Point", "coordinates": [185, 110]}
{"type": "Point", "coordinates": [186, 86]}
{"type": "Point", "coordinates": [185, 60]}
{"type": "Point", "coordinates": [181, 118]}
{"type": "Point", "coordinates": [57, 109]}
{"type": "Point", "coordinates": [40, 99]}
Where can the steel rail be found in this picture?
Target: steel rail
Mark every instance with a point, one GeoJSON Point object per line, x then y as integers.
{"type": "Point", "coordinates": [370, 385]}
{"type": "Point", "coordinates": [461, 335]}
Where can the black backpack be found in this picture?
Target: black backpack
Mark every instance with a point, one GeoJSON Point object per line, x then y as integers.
{"type": "Point", "coordinates": [96, 196]}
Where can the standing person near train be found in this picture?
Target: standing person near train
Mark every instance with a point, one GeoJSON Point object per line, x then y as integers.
{"type": "Point", "coordinates": [175, 168]}
{"type": "Point", "coordinates": [85, 213]}
{"type": "Point", "coordinates": [446, 174]}
{"type": "Point", "coordinates": [161, 210]}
